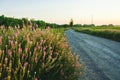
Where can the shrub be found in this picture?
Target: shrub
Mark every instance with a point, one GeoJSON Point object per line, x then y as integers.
{"type": "Point", "coordinates": [36, 55]}
{"type": "Point", "coordinates": [112, 33]}
{"type": "Point", "coordinates": [71, 23]}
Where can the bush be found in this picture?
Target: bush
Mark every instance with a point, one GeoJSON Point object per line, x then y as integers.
{"type": "Point", "coordinates": [36, 55]}
{"type": "Point", "coordinates": [112, 33]}
{"type": "Point", "coordinates": [71, 23]}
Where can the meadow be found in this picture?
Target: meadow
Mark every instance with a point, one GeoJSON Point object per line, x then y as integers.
{"type": "Point", "coordinates": [112, 33]}
{"type": "Point", "coordinates": [36, 54]}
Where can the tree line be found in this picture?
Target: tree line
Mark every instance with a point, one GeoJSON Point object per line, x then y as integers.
{"type": "Point", "coordinates": [20, 23]}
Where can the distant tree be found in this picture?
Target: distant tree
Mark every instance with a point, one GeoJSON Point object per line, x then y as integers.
{"type": "Point", "coordinates": [111, 25]}
{"type": "Point", "coordinates": [20, 23]}
{"type": "Point", "coordinates": [65, 25]}
{"type": "Point", "coordinates": [2, 21]}
{"type": "Point", "coordinates": [77, 25]}
{"type": "Point", "coordinates": [7, 22]}
{"type": "Point", "coordinates": [40, 23]}
{"type": "Point", "coordinates": [85, 25]}
{"type": "Point", "coordinates": [53, 25]}
{"type": "Point", "coordinates": [71, 23]}
{"type": "Point", "coordinates": [25, 21]}
{"type": "Point", "coordinates": [91, 25]}
{"type": "Point", "coordinates": [33, 22]}
{"type": "Point", "coordinates": [104, 26]}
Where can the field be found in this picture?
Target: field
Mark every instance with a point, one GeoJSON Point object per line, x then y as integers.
{"type": "Point", "coordinates": [35, 54]}
{"type": "Point", "coordinates": [112, 33]}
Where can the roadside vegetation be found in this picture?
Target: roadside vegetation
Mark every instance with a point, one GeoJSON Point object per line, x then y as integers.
{"type": "Point", "coordinates": [21, 22]}
{"type": "Point", "coordinates": [35, 54]}
{"type": "Point", "coordinates": [35, 50]}
{"type": "Point", "coordinates": [110, 32]}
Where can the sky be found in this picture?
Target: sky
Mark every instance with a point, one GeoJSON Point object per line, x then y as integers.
{"type": "Point", "coordinates": [98, 12]}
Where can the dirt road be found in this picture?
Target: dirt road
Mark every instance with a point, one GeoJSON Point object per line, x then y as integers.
{"type": "Point", "coordinates": [100, 56]}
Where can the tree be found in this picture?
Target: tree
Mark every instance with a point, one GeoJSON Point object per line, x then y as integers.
{"type": "Point", "coordinates": [2, 21]}
{"type": "Point", "coordinates": [20, 22]}
{"type": "Point", "coordinates": [71, 23]}
{"type": "Point", "coordinates": [111, 25]}
{"type": "Point", "coordinates": [40, 23]}
{"type": "Point", "coordinates": [26, 21]}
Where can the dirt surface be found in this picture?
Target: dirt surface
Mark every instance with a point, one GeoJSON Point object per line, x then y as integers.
{"type": "Point", "coordinates": [100, 56]}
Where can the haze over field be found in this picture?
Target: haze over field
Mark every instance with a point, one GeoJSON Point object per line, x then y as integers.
{"type": "Point", "coordinates": [61, 11]}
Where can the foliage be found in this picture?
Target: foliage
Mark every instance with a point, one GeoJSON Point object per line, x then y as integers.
{"type": "Point", "coordinates": [71, 23]}
{"type": "Point", "coordinates": [25, 21]}
{"type": "Point", "coordinates": [111, 32]}
{"type": "Point", "coordinates": [2, 20]}
{"type": "Point", "coordinates": [8, 21]}
{"type": "Point", "coordinates": [35, 54]}
{"type": "Point", "coordinates": [15, 22]}
{"type": "Point", "coordinates": [40, 23]}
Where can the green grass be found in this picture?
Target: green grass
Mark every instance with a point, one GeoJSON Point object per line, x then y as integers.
{"type": "Point", "coordinates": [27, 54]}
{"type": "Point", "coordinates": [112, 33]}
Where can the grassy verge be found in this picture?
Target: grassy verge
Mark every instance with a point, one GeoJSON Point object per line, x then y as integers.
{"type": "Point", "coordinates": [112, 33]}
{"type": "Point", "coordinates": [35, 54]}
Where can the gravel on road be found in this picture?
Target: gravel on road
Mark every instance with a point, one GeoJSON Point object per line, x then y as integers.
{"type": "Point", "coordinates": [101, 57]}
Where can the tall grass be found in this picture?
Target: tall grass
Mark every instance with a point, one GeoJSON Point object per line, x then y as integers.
{"type": "Point", "coordinates": [112, 33]}
{"type": "Point", "coordinates": [35, 54]}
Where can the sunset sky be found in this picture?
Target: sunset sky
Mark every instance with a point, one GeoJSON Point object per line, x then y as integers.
{"type": "Point", "coordinates": [61, 11]}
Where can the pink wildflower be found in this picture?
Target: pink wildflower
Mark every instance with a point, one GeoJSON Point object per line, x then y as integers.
{"type": "Point", "coordinates": [16, 42]}
{"type": "Point", "coordinates": [44, 53]}
{"type": "Point", "coordinates": [30, 52]}
{"type": "Point", "coordinates": [25, 64]}
{"type": "Point", "coordinates": [12, 44]}
{"type": "Point", "coordinates": [9, 52]}
{"type": "Point", "coordinates": [44, 48]}
{"type": "Point", "coordinates": [36, 78]}
{"type": "Point", "coordinates": [39, 47]}
{"type": "Point", "coordinates": [0, 51]}
{"type": "Point", "coordinates": [61, 72]}
{"type": "Point", "coordinates": [26, 49]}
{"type": "Point", "coordinates": [0, 39]}
{"type": "Point", "coordinates": [43, 65]}
{"type": "Point", "coordinates": [19, 45]}
{"type": "Point", "coordinates": [48, 27]}
{"type": "Point", "coordinates": [16, 34]}
{"type": "Point", "coordinates": [9, 41]}
{"type": "Point", "coordinates": [50, 57]}
{"type": "Point", "coordinates": [23, 55]}
{"type": "Point", "coordinates": [35, 48]}
{"type": "Point", "coordinates": [42, 40]}
{"type": "Point", "coordinates": [5, 78]}
{"type": "Point", "coordinates": [50, 47]}
{"type": "Point", "coordinates": [19, 50]}
{"type": "Point", "coordinates": [13, 37]}
{"type": "Point", "coordinates": [6, 58]}
{"type": "Point", "coordinates": [36, 59]}
{"type": "Point", "coordinates": [9, 37]}
{"type": "Point", "coordinates": [51, 51]}
{"type": "Point", "coordinates": [56, 53]}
